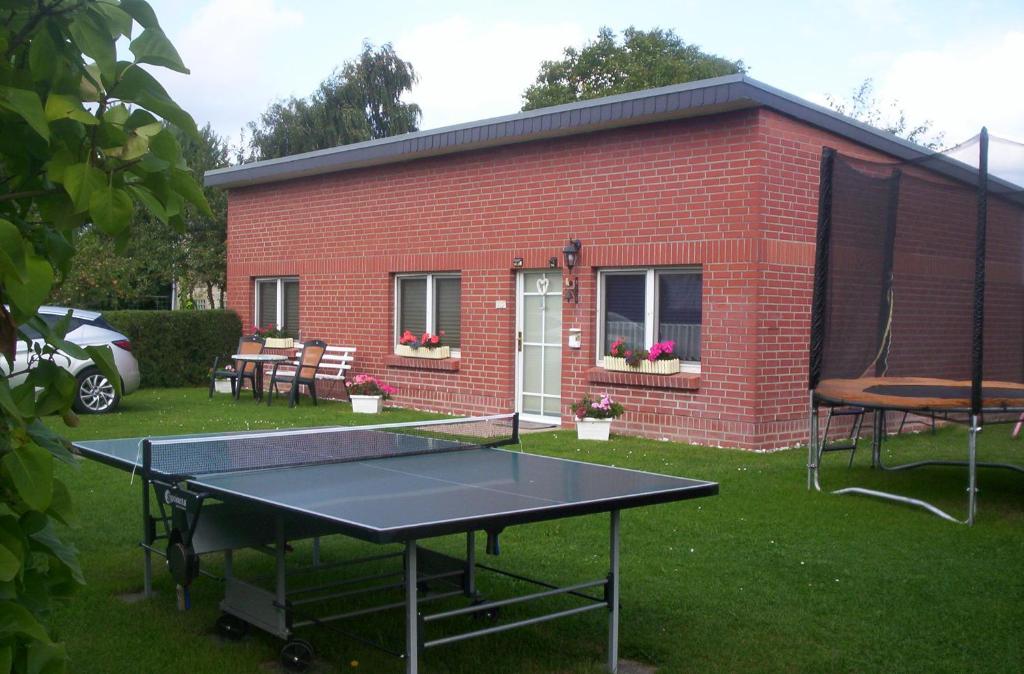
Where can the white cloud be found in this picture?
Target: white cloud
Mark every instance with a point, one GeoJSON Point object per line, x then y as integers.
{"type": "Point", "coordinates": [961, 86]}
{"type": "Point", "coordinates": [470, 69]}
{"type": "Point", "coordinates": [228, 46]}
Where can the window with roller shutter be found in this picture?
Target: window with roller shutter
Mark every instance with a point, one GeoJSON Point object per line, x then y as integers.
{"type": "Point", "coordinates": [277, 304]}
{"type": "Point", "coordinates": [644, 306]}
{"type": "Point", "coordinates": [429, 303]}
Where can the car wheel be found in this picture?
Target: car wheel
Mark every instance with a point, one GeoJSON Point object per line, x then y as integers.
{"type": "Point", "coordinates": [95, 393]}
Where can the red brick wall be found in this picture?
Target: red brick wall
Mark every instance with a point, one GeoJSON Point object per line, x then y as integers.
{"type": "Point", "coordinates": [734, 193]}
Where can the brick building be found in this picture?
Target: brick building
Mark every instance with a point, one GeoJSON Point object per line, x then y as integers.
{"type": "Point", "coordinates": [695, 208]}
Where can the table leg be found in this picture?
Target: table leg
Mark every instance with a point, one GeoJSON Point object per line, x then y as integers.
{"type": "Point", "coordinates": [257, 384]}
{"type": "Point", "coordinates": [470, 581]}
{"type": "Point", "coordinates": [613, 595]}
{"type": "Point", "coordinates": [412, 655]}
{"type": "Point", "coordinates": [281, 584]}
{"type": "Point", "coordinates": [147, 537]}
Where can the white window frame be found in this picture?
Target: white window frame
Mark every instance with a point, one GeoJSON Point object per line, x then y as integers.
{"type": "Point", "coordinates": [650, 307]}
{"type": "Point", "coordinates": [279, 280]}
{"type": "Point", "coordinates": [431, 300]}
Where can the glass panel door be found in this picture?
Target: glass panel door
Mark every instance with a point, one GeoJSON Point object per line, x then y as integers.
{"type": "Point", "coordinates": [539, 338]}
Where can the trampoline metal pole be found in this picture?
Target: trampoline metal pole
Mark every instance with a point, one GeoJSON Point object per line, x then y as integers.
{"type": "Point", "coordinates": [812, 448]}
{"type": "Point", "coordinates": [878, 423]}
{"type": "Point", "coordinates": [972, 468]}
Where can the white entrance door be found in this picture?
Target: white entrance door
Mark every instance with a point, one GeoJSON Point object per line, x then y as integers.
{"type": "Point", "coordinates": [539, 345]}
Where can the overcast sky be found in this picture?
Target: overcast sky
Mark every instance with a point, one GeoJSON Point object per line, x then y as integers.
{"type": "Point", "coordinates": [956, 63]}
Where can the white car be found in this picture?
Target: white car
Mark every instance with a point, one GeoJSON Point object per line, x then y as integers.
{"type": "Point", "coordinates": [94, 393]}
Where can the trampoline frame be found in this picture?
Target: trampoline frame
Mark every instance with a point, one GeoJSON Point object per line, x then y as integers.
{"type": "Point", "coordinates": [817, 444]}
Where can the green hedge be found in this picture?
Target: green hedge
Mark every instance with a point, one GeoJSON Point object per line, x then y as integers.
{"type": "Point", "coordinates": [177, 348]}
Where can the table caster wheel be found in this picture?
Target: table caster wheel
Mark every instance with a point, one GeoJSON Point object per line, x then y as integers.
{"type": "Point", "coordinates": [232, 627]}
{"type": "Point", "coordinates": [297, 655]}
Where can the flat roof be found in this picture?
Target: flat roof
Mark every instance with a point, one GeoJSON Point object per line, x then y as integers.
{"type": "Point", "coordinates": [678, 101]}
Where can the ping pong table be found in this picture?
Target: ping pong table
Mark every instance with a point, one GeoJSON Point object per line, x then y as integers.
{"type": "Point", "coordinates": [392, 483]}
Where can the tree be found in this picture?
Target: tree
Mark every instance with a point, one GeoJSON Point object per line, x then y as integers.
{"type": "Point", "coordinates": [202, 255]}
{"type": "Point", "coordinates": [643, 60]}
{"type": "Point", "coordinates": [887, 116]}
{"type": "Point", "coordinates": [82, 140]}
{"type": "Point", "coordinates": [102, 278]}
{"type": "Point", "coordinates": [360, 102]}
{"type": "Point", "coordinates": [156, 254]}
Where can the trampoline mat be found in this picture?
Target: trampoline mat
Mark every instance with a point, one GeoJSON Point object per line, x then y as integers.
{"type": "Point", "coordinates": [919, 393]}
{"type": "Point", "coordinates": [943, 392]}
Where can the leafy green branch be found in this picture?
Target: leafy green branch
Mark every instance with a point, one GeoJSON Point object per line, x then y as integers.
{"type": "Point", "coordinates": [86, 137]}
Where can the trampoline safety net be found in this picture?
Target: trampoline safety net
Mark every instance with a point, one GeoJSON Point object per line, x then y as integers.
{"type": "Point", "coordinates": [919, 273]}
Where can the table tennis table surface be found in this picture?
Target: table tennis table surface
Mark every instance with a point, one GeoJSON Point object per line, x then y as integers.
{"type": "Point", "coordinates": [401, 498]}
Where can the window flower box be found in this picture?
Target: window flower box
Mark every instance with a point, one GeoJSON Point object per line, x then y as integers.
{"type": "Point", "coordinates": [660, 366]}
{"type": "Point", "coordinates": [273, 337]}
{"type": "Point", "coordinates": [279, 342]}
{"type": "Point", "coordinates": [367, 404]}
{"type": "Point", "coordinates": [423, 352]}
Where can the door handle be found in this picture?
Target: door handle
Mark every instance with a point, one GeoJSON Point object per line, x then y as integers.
{"type": "Point", "coordinates": [519, 341]}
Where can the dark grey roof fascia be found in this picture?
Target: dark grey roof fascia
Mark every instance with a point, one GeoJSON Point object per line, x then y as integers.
{"type": "Point", "coordinates": [677, 101]}
{"type": "Point", "coordinates": [560, 120]}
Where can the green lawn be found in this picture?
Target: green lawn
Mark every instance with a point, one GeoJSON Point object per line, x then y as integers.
{"type": "Point", "coordinates": [764, 577]}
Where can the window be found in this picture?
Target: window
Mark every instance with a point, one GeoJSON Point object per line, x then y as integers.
{"type": "Point", "coordinates": [52, 320]}
{"type": "Point", "coordinates": [429, 303]}
{"type": "Point", "coordinates": [644, 306]}
{"type": "Point", "coordinates": [277, 304]}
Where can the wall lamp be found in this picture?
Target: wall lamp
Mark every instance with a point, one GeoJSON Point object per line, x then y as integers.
{"type": "Point", "coordinates": [571, 253]}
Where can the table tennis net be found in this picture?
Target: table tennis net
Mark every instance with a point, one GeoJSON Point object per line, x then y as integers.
{"type": "Point", "coordinates": [191, 456]}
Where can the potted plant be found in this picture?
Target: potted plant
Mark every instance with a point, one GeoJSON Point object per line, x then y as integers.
{"type": "Point", "coordinates": [661, 358]}
{"type": "Point", "coordinates": [273, 338]}
{"type": "Point", "coordinates": [368, 393]}
{"type": "Point", "coordinates": [594, 417]}
{"type": "Point", "coordinates": [423, 346]}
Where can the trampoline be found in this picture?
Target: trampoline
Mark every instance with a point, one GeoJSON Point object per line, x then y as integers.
{"type": "Point", "coordinates": [919, 394]}
{"type": "Point", "coordinates": [918, 304]}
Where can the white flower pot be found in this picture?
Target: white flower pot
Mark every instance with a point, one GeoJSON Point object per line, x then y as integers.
{"type": "Point", "coordinates": [593, 429]}
{"type": "Point", "coordinates": [222, 385]}
{"type": "Point", "coordinates": [367, 404]}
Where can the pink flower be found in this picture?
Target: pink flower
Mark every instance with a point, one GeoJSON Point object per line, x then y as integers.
{"type": "Point", "coordinates": [665, 348]}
